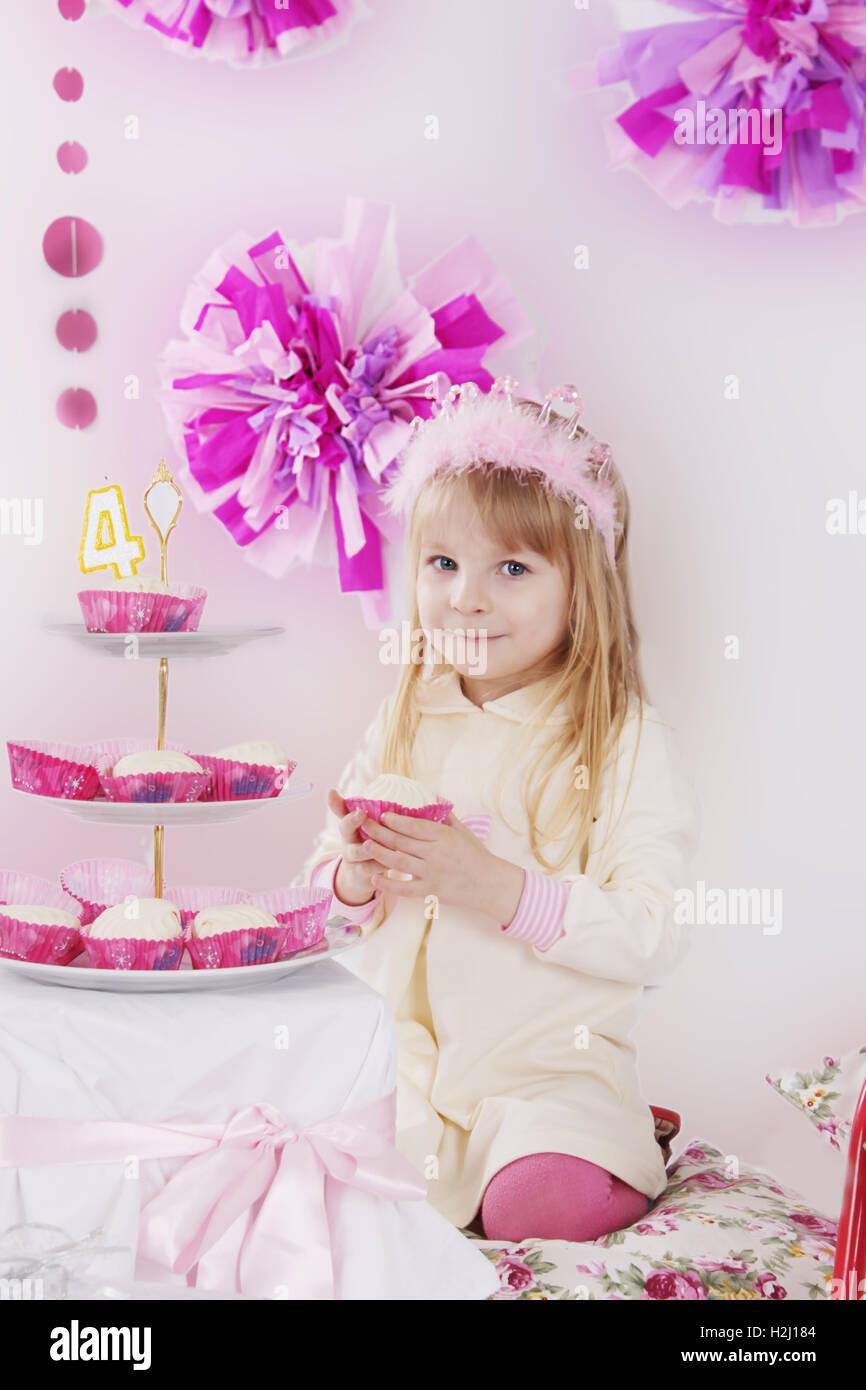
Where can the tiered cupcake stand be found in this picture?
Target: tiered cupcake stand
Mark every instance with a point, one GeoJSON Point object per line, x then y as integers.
{"type": "Point", "coordinates": [162, 646]}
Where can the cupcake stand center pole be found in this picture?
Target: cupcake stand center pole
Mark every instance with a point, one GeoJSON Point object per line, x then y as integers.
{"type": "Point", "coordinates": [162, 502]}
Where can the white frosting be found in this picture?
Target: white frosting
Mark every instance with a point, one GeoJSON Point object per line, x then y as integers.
{"type": "Point", "coordinates": [212, 921]}
{"type": "Point", "coordinates": [39, 916]}
{"type": "Point", "coordinates": [261, 754]}
{"type": "Point", "coordinates": [155, 760]}
{"type": "Point", "coordinates": [406, 791]}
{"type": "Point", "coordinates": [140, 584]}
{"type": "Point", "coordinates": [149, 919]}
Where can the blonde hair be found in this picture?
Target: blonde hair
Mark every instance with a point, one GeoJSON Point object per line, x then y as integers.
{"type": "Point", "coordinates": [595, 670]}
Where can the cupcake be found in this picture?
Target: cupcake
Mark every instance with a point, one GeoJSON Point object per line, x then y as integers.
{"type": "Point", "coordinates": [141, 604]}
{"type": "Point", "coordinates": [143, 934]}
{"type": "Point", "coordinates": [388, 792]}
{"type": "Point", "coordinates": [29, 931]}
{"type": "Point", "coordinates": [242, 771]}
{"type": "Point", "coordinates": [53, 769]}
{"type": "Point", "coordinates": [234, 934]}
{"type": "Point", "coordinates": [402, 791]}
{"type": "Point", "coordinates": [154, 774]}
{"type": "Point", "coordinates": [402, 794]}
{"type": "Point", "coordinates": [140, 584]}
{"type": "Point", "coordinates": [192, 899]}
{"type": "Point", "coordinates": [38, 921]}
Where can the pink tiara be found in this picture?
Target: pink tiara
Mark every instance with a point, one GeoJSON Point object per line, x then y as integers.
{"type": "Point", "coordinates": [492, 429]}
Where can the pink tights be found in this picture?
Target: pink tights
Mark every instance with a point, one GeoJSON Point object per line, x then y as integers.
{"type": "Point", "coordinates": [558, 1197]}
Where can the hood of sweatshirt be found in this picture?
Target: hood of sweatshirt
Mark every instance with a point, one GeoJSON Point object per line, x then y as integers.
{"type": "Point", "coordinates": [442, 694]}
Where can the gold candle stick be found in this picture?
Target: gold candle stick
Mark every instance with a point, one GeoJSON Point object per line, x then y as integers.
{"type": "Point", "coordinates": [162, 502]}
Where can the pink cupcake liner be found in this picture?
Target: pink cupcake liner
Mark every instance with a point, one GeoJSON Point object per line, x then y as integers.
{"type": "Point", "coordinates": [30, 941]}
{"type": "Point", "coordinates": [22, 940]}
{"type": "Point", "coordinates": [133, 953]}
{"type": "Point", "coordinates": [151, 786]}
{"type": "Point", "coordinates": [117, 610]}
{"type": "Point", "coordinates": [247, 946]}
{"type": "Point", "coordinates": [438, 810]}
{"type": "Point", "coordinates": [53, 769]}
{"type": "Point", "coordinates": [16, 887]}
{"type": "Point", "coordinates": [302, 910]}
{"type": "Point", "coordinates": [190, 900]}
{"type": "Point", "coordinates": [233, 781]}
{"type": "Point", "coordinates": [98, 884]}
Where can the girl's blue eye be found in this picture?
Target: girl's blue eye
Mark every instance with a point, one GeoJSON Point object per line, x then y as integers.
{"type": "Point", "coordinates": [434, 561]}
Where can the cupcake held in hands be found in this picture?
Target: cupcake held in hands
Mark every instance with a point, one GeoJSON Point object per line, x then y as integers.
{"type": "Point", "coordinates": [389, 792]}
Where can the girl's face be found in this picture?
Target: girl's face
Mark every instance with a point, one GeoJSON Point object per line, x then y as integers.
{"type": "Point", "coordinates": [510, 606]}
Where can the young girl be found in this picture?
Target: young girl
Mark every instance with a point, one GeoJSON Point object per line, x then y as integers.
{"type": "Point", "coordinates": [515, 957]}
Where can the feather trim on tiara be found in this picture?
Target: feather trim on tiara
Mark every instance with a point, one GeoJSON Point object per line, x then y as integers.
{"type": "Point", "coordinates": [489, 429]}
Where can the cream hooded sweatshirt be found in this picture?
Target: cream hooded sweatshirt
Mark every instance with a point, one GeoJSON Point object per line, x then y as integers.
{"type": "Point", "coordinates": [508, 1047]}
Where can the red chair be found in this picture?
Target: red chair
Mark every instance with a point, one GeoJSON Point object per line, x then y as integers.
{"type": "Point", "coordinates": [849, 1270]}
{"type": "Point", "coordinates": [667, 1124]}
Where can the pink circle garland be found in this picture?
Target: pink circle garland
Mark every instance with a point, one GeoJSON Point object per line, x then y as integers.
{"type": "Point", "coordinates": [293, 392]}
{"type": "Point", "coordinates": [71, 157]}
{"type": "Point", "coordinates": [76, 408]}
{"type": "Point", "coordinates": [72, 246]}
{"type": "Point", "coordinates": [243, 33]}
{"type": "Point", "coordinates": [68, 84]}
{"type": "Point", "coordinates": [76, 330]}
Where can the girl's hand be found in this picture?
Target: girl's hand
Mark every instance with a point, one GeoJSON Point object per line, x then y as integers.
{"type": "Point", "coordinates": [446, 860]}
{"type": "Point", "coordinates": [353, 880]}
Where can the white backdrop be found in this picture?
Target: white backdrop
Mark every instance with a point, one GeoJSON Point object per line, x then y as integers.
{"type": "Point", "coordinates": [729, 496]}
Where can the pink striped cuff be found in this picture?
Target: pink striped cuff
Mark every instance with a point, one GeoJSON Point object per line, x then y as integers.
{"type": "Point", "coordinates": [479, 825]}
{"type": "Point", "coordinates": [323, 877]}
{"type": "Point", "coordinates": [539, 914]}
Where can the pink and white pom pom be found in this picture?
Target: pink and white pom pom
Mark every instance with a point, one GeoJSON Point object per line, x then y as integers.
{"type": "Point", "coordinates": [758, 106]}
{"type": "Point", "coordinates": [243, 33]}
{"type": "Point", "coordinates": [302, 369]}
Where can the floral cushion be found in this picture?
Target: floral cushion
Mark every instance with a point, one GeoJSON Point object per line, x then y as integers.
{"type": "Point", "coordinates": [713, 1233]}
{"type": "Point", "coordinates": [828, 1094]}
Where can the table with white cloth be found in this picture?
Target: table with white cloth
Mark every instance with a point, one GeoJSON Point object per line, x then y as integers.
{"type": "Point", "coordinates": [234, 1125]}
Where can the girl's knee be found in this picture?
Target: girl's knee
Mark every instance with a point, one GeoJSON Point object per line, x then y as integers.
{"type": "Point", "coordinates": [557, 1196]}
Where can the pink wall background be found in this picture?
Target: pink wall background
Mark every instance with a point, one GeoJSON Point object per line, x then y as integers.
{"type": "Point", "coordinates": [728, 497]}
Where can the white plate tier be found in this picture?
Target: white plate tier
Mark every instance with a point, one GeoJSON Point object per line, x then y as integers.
{"type": "Point", "coordinates": [215, 641]}
{"type": "Point", "coordinates": [103, 812]}
{"type": "Point", "coordinates": [340, 935]}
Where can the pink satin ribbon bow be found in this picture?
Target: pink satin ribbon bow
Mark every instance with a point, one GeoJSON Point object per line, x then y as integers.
{"type": "Point", "coordinates": [283, 1248]}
